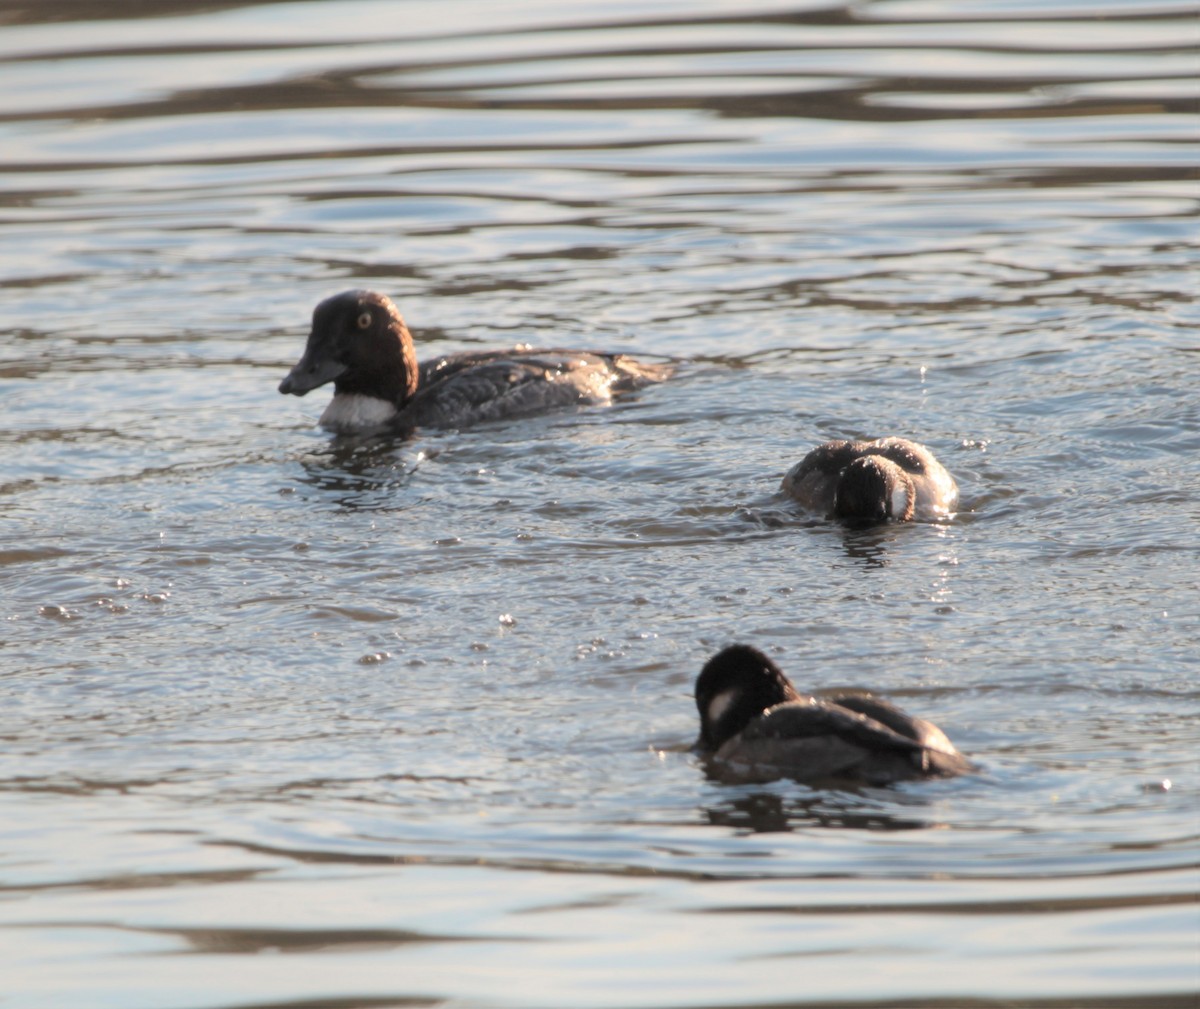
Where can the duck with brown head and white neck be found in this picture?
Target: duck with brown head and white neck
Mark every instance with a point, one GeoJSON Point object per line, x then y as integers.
{"type": "Point", "coordinates": [873, 481]}
{"type": "Point", "coordinates": [360, 343]}
{"type": "Point", "coordinates": [756, 726]}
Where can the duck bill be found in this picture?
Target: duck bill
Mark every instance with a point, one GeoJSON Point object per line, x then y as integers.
{"type": "Point", "coordinates": [310, 373]}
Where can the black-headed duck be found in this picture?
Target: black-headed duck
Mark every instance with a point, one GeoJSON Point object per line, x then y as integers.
{"type": "Point", "coordinates": [756, 726]}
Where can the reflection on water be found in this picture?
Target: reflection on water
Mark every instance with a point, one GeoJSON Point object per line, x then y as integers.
{"type": "Point", "coordinates": [358, 473]}
{"type": "Point", "coordinates": [385, 706]}
{"type": "Point", "coordinates": [869, 545]}
{"type": "Point", "coordinates": [765, 812]}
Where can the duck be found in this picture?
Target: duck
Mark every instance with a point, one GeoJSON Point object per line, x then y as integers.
{"type": "Point", "coordinates": [873, 481]}
{"type": "Point", "coordinates": [756, 726]}
{"type": "Point", "coordinates": [360, 343]}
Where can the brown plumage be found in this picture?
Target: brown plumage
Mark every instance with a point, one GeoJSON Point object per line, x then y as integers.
{"type": "Point", "coordinates": [889, 478]}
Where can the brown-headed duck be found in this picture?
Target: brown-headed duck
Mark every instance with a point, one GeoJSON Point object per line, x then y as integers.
{"type": "Point", "coordinates": [889, 478]}
{"type": "Point", "coordinates": [360, 343]}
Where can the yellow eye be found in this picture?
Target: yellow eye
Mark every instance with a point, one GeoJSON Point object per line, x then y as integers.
{"type": "Point", "coordinates": [364, 320]}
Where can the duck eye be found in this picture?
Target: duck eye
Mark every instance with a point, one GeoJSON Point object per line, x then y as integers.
{"type": "Point", "coordinates": [364, 320]}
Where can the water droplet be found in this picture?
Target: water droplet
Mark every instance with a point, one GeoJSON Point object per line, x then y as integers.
{"type": "Point", "coordinates": [374, 659]}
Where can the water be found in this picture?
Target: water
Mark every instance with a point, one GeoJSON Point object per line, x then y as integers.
{"type": "Point", "coordinates": [289, 721]}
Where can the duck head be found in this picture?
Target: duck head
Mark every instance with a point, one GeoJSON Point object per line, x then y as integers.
{"type": "Point", "coordinates": [735, 686]}
{"type": "Point", "coordinates": [874, 489]}
{"type": "Point", "coordinates": [359, 342]}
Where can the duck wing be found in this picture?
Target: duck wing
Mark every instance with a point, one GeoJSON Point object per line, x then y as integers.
{"type": "Point", "coordinates": [463, 389]}
{"type": "Point", "coordinates": [627, 373]}
{"type": "Point", "coordinates": [810, 717]}
{"type": "Point", "coordinates": [908, 455]}
{"type": "Point", "coordinates": [897, 719]}
{"type": "Point", "coordinates": [813, 480]}
{"type": "Point", "coordinates": [817, 739]}
{"type": "Point", "coordinates": [937, 491]}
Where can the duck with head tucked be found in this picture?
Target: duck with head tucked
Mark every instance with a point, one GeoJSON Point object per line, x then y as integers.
{"type": "Point", "coordinates": [755, 726]}
{"type": "Point", "coordinates": [360, 343]}
{"type": "Point", "coordinates": [873, 481]}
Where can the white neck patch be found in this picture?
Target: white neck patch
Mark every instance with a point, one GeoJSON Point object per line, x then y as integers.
{"type": "Point", "coordinates": [899, 501]}
{"type": "Point", "coordinates": [350, 413]}
{"type": "Point", "coordinates": [720, 704]}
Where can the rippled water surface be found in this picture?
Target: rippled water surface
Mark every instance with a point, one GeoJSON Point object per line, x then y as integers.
{"type": "Point", "coordinates": [295, 721]}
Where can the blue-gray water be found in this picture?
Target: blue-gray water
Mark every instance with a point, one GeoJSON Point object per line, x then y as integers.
{"type": "Point", "coordinates": [292, 722]}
